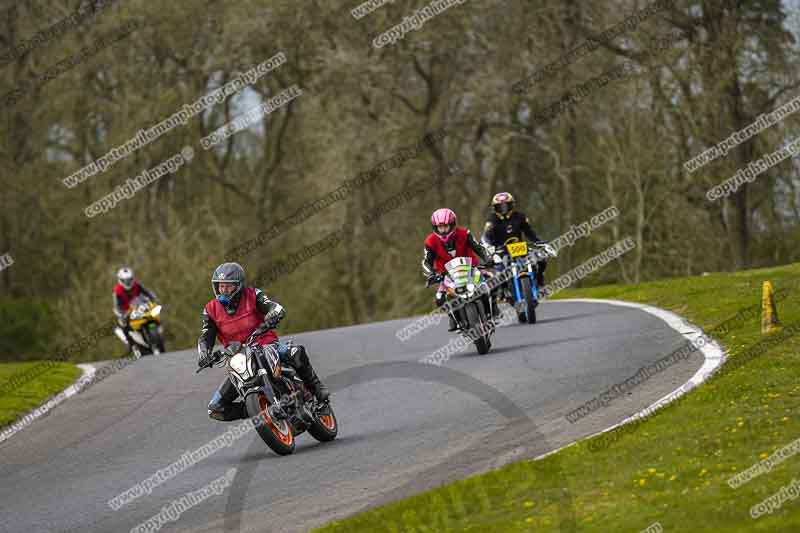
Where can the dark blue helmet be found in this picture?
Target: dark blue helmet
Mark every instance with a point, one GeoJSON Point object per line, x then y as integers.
{"type": "Point", "coordinates": [228, 273]}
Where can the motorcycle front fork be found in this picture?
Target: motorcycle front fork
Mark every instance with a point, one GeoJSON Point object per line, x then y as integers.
{"type": "Point", "coordinates": [518, 296]}
{"type": "Point", "coordinates": [534, 285]}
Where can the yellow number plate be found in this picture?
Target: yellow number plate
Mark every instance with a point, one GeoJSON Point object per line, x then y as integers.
{"type": "Point", "coordinates": [518, 248]}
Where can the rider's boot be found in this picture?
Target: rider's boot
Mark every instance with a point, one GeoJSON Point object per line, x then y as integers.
{"type": "Point", "coordinates": [122, 335]}
{"type": "Point", "coordinates": [495, 308]}
{"type": "Point", "coordinates": [222, 406]}
{"type": "Point", "coordinates": [133, 348]}
{"type": "Point", "coordinates": [318, 388]}
{"type": "Point", "coordinates": [540, 274]}
{"type": "Point", "coordinates": [453, 326]}
{"type": "Point", "coordinates": [308, 375]}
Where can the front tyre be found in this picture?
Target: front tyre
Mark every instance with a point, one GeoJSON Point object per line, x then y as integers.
{"type": "Point", "coordinates": [474, 322]}
{"type": "Point", "coordinates": [325, 426]}
{"type": "Point", "coordinates": [276, 434]}
{"type": "Point", "coordinates": [156, 341]}
{"type": "Point", "coordinates": [530, 303]}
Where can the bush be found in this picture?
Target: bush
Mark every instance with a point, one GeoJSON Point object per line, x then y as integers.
{"type": "Point", "coordinates": [26, 329]}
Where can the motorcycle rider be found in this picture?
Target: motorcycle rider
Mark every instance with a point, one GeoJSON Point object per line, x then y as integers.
{"type": "Point", "coordinates": [126, 290]}
{"type": "Point", "coordinates": [446, 242]}
{"type": "Point", "coordinates": [504, 223]}
{"type": "Point", "coordinates": [234, 313]}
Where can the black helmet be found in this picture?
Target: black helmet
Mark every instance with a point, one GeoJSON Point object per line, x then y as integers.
{"type": "Point", "coordinates": [228, 273]}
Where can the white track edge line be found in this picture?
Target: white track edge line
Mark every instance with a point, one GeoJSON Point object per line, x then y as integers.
{"type": "Point", "coordinates": [87, 373]}
{"type": "Point", "coordinates": [713, 354]}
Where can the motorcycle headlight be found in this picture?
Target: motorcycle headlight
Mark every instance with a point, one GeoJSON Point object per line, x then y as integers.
{"type": "Point", "coordinates": [136, 315]}
{"type": "Point", "coordinates": [238, 364]}
{"type": "Point", "coordinates": [156, 310]}
{"type": "Point", "coordinates": [470, 287]}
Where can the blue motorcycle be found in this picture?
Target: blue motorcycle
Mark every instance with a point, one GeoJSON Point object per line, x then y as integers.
{"type": "Point", "coordinates": [521, 290]}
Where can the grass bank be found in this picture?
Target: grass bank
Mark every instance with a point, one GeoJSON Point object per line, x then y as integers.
{"type": "Point", "coordinates": [25, 386]}
{"type": "Point", "coordinates": [672, 468]}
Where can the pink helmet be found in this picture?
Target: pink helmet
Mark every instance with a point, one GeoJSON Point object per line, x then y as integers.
{"type": "Point", "coordinates": [444, 216]}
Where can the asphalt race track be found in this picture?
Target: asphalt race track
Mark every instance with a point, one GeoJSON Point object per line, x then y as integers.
{"type": "Point", "coordinates": [404, 427]}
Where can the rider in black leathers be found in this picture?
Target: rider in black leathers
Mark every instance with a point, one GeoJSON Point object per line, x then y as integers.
{"type": "Point", "coordinates": [505, 223]}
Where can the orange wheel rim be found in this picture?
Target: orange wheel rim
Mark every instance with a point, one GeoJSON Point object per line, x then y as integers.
{"type": "Point", "coordinates": [284, 437]}
{"type": "Point", "coordinates": [328, 422]}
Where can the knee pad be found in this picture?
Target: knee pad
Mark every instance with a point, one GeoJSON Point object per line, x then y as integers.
{"type": "Point", "coordinates": [440, 299]}
{"type": "Point", "coordinates": [299, 356]}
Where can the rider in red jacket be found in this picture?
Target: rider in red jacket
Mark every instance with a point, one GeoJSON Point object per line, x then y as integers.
{"type": "Point", "coordinates": [234, 313]}
{"type": "Point", "coordinates": [445, 243]}
{"type": "Point", "coordinates": [126, 290]}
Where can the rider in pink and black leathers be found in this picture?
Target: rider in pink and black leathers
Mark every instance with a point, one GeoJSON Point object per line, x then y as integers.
{"type": "Point", "coordinates": [446, 242]}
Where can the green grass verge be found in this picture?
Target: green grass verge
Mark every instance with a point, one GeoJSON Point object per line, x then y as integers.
{"type": "Point", "coordinates": [17, 400]}
{"type": "Point", "coordinates": [673, 467]}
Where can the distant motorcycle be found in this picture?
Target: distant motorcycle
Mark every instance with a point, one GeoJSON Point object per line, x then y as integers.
{"type": "Point", "coordinates": [473, 311]}
{"type": "Point", "coordinates": [146, 331]}
{"type": "Point", "coordinates": [275, 395]}
{"type": "Point", "coordinates": [521, 290]}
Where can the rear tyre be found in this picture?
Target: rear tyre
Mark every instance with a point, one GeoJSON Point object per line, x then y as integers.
{"type": "Point", "coordinates": [325, 427]}
{"type": "Point", "coordinates": [473, 318]}
{"type": "Point", "coordinates": [530, 303]}
{"type": "Point", "coordinates": [276, 434]}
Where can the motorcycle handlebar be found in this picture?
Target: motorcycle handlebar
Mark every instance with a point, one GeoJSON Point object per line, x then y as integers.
{"type": "Point", "coordinates": [215, 357]}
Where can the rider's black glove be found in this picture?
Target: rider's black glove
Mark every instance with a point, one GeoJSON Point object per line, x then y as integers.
{"type": "Point", "coordinates": [433, 278]}
{"type": "Point", "coordinates": [204, 361]}
{"type": "Point", "coordinates": [541, 253]}
{"type": "Point", "coordinates": [208, 359]}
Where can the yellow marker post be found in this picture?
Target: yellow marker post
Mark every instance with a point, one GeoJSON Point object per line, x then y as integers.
{"type": "Point", "coordinates": [769, 313]}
